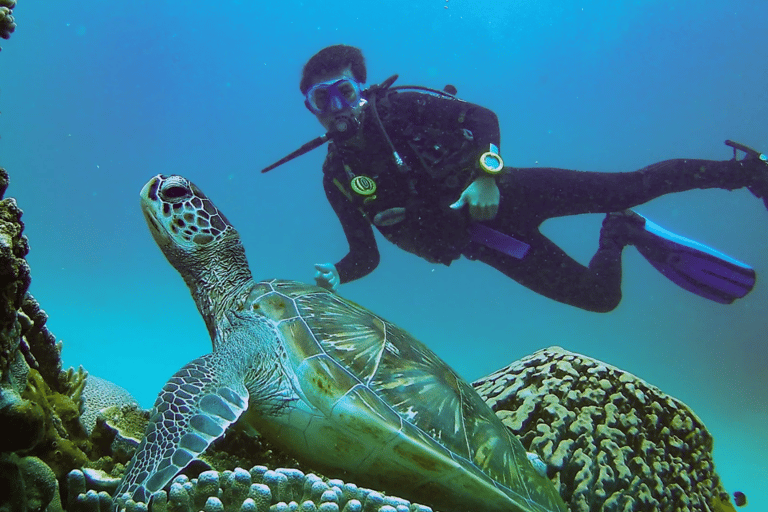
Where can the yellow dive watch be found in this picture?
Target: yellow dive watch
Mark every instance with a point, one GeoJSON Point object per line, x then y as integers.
{"type": "Point", "coordinates": [490, 162]}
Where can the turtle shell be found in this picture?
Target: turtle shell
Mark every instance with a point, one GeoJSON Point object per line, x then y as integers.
{"type": "Point", "coordinates": [397, 416]}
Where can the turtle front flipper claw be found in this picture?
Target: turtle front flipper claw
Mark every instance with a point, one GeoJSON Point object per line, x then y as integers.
{"type": "Point", "coordinates": [193, 409]}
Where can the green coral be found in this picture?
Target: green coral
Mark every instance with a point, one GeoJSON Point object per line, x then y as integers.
{"type": "Point", "coordinates": [25, 418]}
{"type": "Point", "coordinates": [64, 443]}
{"type": "Point", "coordinates": [722, 504]}
{"type": "Point", "coordinates": [7, 23]}
{"type": "Point", "coordinates": [99, 394]}
{"type": "Point", "coordinates": [27, 483]}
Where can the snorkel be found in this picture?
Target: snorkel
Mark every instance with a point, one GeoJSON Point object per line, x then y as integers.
{"type": "Point", "coordinates": [344, 124]}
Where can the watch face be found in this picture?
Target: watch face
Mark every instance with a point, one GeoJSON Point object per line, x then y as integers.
{"type": "Point", "coordinates": [491, 163]}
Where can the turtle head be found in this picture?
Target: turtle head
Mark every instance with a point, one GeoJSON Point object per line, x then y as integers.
{"type": "Point", "coordinates": [180, 217]}
{"type": "Point", "coordinates": [196, 238]}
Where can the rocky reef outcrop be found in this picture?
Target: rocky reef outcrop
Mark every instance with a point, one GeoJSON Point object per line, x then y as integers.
{"type": "Point", "coordinates": [39, 403]}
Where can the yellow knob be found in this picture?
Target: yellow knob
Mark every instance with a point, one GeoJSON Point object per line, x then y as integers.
{"type": "Point", "coordinates": [363, 185]}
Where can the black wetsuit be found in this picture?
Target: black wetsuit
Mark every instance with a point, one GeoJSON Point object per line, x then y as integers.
{"type": "Point", "coordinates": [439, 140]}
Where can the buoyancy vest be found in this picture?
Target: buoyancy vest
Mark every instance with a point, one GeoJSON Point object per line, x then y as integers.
{"type": "Point", "coordinates": [406, 173]}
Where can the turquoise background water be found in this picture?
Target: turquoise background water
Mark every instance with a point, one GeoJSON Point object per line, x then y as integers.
{"type": "Point", "coordinates": [97, 97]}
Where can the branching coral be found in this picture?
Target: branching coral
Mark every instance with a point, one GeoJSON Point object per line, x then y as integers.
{"type": "Point", "coordinates": [39, 345]}
{"type": "Point", "coordinates": [64, 443]}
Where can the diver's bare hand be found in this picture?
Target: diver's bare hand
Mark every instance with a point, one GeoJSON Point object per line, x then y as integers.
{"type": "Point", "coordinates": [482, 196]}
{"type": "Point", "coordinates": [326, 276]}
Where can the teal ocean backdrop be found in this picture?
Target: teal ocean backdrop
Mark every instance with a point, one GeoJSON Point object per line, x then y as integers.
{"type": "Point", "coordinates": [97, 97]}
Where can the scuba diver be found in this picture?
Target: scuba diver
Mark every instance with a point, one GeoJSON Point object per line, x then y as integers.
{"type": "Point", "coordinates": [423, 167]}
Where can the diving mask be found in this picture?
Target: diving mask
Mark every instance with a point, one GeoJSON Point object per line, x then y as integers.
{"type": "Point", "coordinates": [333, 95]}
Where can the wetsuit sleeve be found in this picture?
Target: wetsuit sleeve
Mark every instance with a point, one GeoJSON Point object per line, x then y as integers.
{"type": "Point", "coordinates": [482, 122]}
{"type": "Point", "coordinates": [363, 255]}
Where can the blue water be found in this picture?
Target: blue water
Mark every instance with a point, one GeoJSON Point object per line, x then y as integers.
{"type": "Point", "coordinates": [96, 97]}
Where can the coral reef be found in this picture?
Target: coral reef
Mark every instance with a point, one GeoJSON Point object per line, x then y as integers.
{"type": "Point", "coordinates": [257, 490]}
{"type": "Point", "coordinates": [39, 345]}
{"type": "Point", "coordinates": [607, 439]}
{"type": "Point", "coordinates": [38, 402]}
{"type": "Point", "coordinates": [14, 275]}
{"type": "Point", "coordinates": [612, 442]}
{"type": "Point", "coordinates": [7, 23]}
{"type": "Point", "coordinates": [100, 394]}
{"type": "Point", "coordinates": [27, 483]}
{"type": "Point", "coordinates": [64, 443]}
{"type": "Point", "coordinates": [117, 432]}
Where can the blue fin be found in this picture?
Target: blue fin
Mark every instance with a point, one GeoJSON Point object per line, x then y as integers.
{"type": "Point", "coordinates": [694, 266]}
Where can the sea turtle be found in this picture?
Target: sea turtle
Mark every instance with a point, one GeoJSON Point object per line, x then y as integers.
{"type": "Point", "coordinates": [326, 380]}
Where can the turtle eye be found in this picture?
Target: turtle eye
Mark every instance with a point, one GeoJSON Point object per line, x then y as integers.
{"type": "Point", "coordinates": [176, 192]}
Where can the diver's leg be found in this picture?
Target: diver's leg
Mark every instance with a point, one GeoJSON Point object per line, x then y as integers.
{"type": "Point", "coordinates": [549, 271]}
{"type": "Point", "coordinates": [530, 196]}
{"type": "Point", "coordinates": [685, 174]}
{"type": "Point", "coordinates": [550, 192]}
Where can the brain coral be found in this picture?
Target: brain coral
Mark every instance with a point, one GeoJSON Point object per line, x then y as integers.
{"type": "Point", "coordinates": [99, 394]}
{"type": "Point", "coordinates": [612, 441]}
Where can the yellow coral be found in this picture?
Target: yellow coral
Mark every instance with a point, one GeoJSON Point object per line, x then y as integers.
{"type": "Point", "coordinates": [64, 442]}
{"type": "Point", "coordinates": [722, 505]}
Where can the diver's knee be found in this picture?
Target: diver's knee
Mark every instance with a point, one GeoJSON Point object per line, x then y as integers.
{"type": "Point", "coordinates": [604, 303]}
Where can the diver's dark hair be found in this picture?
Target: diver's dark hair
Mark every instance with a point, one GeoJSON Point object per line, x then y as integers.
{"type": "Point", "coordinates": [333, 59]}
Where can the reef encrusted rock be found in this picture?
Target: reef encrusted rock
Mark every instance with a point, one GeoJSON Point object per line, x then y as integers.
{"type": "Point", "coordinates": [14, 275]}
{"type": "Point", "coordinates": [39, 403]}
{"type": "Point", "coordinates": [611, 441]}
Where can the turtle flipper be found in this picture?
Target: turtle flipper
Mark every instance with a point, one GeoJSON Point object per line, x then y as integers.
{"type": "Point", "coordinates": [194, 408]}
